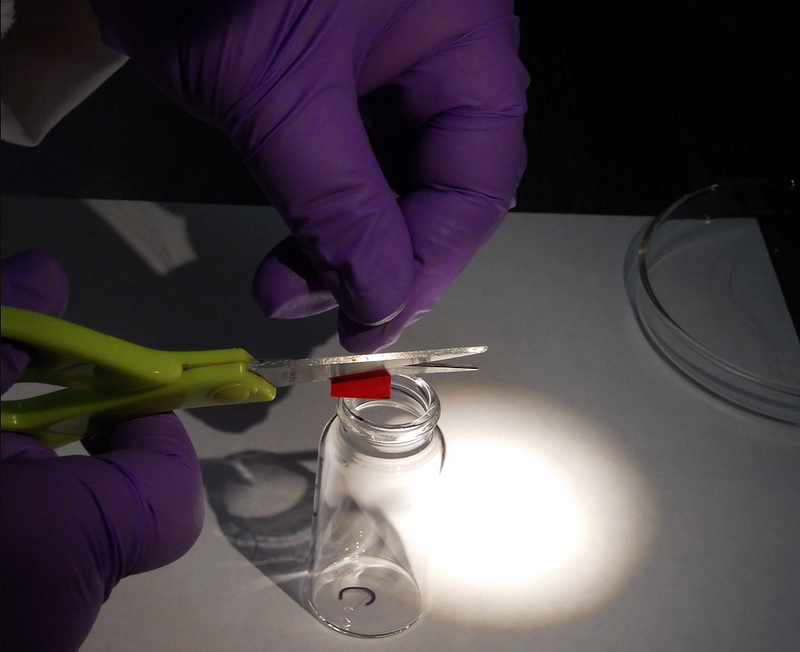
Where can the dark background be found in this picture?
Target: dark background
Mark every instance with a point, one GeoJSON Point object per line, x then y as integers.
{"type": "Point", "coordinates": [630, 106]}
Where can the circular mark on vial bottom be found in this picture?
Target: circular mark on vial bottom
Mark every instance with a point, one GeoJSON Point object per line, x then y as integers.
{"type": "Point", "coordinates": [362, 593]}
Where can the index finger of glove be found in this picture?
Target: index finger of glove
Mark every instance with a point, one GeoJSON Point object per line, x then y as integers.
{"type": "Point", "coordinates": [158, 509]}
{"type": "Point", "coordinates": [469, 100]}
{"type": "Point", "coordinates": [32, 280]}
{"type": "Point", "coordinates": [319, 170]}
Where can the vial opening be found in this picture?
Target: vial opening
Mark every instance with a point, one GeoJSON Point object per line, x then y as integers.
{"type": "Point", "coordinates": [399, 423]}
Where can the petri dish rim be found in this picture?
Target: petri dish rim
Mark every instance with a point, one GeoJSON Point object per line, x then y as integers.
{"type": "Point", "coordinates": [727, 380]}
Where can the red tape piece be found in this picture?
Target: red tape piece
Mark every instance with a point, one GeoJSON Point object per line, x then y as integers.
{"type": "Point", "coordinates": [371, 384]}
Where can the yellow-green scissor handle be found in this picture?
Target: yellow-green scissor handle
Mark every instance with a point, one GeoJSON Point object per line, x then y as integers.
{"type": "Point", "coordinates": [106, 380]}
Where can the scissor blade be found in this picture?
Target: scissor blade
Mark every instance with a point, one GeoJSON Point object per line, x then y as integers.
{"type": "Point", "coordinates": [282, 373]}
{"type": "Point", "coordinates": [415, 369]}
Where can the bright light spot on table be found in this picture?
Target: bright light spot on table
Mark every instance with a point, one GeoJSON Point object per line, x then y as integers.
{"type": "Point", "coordinates": [543, 518]}
{"type": "Point", "coordinates": [502, 495]}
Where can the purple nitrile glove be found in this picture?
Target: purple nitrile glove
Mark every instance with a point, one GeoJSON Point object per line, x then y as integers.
{"type": "Point", "coordinates": [74, 526]}
{"type": "Point", "coordinates": [297, 85]}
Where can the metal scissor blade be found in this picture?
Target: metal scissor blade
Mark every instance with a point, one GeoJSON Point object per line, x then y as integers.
{"type": "Point", "coordinates": [282, 373]}
{"type": "Point", "coordinates": [434, 368]}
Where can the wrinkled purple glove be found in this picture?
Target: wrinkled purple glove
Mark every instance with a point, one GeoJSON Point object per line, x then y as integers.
{"type": "Point", "coordinates": [74, 526]}
{"type": "Point", "coordinates": [293, 83]}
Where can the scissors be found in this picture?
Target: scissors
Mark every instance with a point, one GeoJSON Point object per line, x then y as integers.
{"type": "Point", "coordinates": [101, 380]}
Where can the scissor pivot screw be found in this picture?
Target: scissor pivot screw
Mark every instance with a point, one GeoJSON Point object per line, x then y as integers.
{"type": "Point", "coordinates": [233, 393]}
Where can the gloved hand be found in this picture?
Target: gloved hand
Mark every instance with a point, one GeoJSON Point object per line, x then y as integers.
{"type": "Point", "coordinates": [293, 84]}
{"type": "Point", "coordinates": [74, 526]}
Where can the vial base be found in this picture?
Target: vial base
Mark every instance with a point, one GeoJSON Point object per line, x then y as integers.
{"type": "Point", "coordinates": [366, 596]}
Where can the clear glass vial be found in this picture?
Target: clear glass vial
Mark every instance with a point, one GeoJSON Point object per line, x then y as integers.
{"type": "Point", "coordinates": [375, 499]}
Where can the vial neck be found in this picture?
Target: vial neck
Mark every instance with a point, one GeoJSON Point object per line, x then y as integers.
{"type": "Point", "coordinates": [400, 425]}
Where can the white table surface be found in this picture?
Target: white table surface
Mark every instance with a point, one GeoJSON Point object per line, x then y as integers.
{"type": "Point", "coordinates": [594, 499]}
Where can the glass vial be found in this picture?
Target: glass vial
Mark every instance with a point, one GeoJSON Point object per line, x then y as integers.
{"type": "Point", "coordinates": [375, 496]}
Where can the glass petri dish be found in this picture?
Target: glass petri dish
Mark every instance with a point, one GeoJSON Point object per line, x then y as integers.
{"type": "Point", "coordinates": [717, 293]}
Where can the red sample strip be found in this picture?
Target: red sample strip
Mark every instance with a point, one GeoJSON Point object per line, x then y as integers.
{"type": "Point", "coordinates": [371, 384]}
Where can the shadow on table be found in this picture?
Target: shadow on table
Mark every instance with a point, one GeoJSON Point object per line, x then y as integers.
{"type": "Point", "coordinates": [263, 502]}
